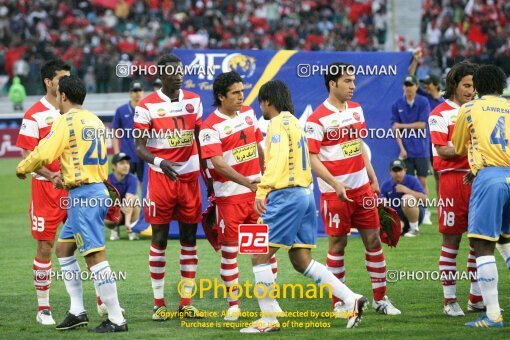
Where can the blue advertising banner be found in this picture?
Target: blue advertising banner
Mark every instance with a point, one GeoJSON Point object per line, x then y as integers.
{"type": "Point", "coordinates": [379, 77]}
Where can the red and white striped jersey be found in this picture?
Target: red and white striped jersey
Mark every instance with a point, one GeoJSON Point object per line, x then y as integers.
{"type": "Point", "coordinates": [36, 124]}
{"type": "Point", "coordinates": [173, 125]}
{"type": "Point", "coordinates": [442, 123]}
{"type": "Point", "coordinates": [236, 140]}
{"type": "Point", "coordinates": [335, 136]}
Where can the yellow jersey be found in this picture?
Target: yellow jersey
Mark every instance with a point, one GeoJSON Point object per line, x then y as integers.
{"type": "Point", "coordinates": [78, 139]}
{"type": "Point", "coordinates": [482, 131]}
{"type": "Point", "coordinates": [287, 159]}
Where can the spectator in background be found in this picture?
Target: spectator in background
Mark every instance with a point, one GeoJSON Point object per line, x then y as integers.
{"type": "Point", "coordinates": [432, 91]}
{"type": "Point", "coordinates": [403, 192]}
{"type": "Point", "coordinates": [123, 120]}
{"type": "Point", "coordinates": [157, 84]}
{"type": "Point", "coordinates": [103, 72]}
{"type": "Point", "coordinates": [126, 184]}
{"type": "Point", "coordinates": [410, 116]}
{"type": "Point", "coordinates": [17, 94]}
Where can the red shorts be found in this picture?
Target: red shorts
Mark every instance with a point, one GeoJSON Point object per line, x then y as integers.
{"type": "Point", "coordinates": [339, 217]}
{"type": "Point", "coordinates": [230, 216]}
{"type": "Point", "coordinates": [452, 212]}
{"type": "Point", "coordinates": [45, 211]}
{"type": "Point", "coordinates": [169, 200]}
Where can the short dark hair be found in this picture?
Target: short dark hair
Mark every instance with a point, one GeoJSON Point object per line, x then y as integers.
{"type": "Point", "coordinates": [489, 79]}
{"type": "Point", "coordinates": [168, 58]}
{"type": "Point", "coordinates": [457, 72]}
{"type": "Point", "coordinates": [222, 83]}
{"type": "Point", "coordinates": [335, 71]}
{"type": "Point", "coordinates": [74, 89]}
{"type": "Point", "coordinates": [50, 68]}
{"type": "Point", "coordinates": [277, 94]}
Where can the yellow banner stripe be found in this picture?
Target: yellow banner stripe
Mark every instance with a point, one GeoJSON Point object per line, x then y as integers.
{"type": "Point", "coordinates": [279, 59]}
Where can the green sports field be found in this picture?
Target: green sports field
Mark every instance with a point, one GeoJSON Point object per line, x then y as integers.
{"type": "Point", "coordinates": [420, 301]}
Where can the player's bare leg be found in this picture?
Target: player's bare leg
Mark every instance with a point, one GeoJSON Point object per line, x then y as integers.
{"type": "Point", "coordinates": [335, 264]}
{"type": "Point", "coordinates": [487, 280]}
{"type": "Point", "coordinates": [376, 268]}
{"type": "Point", "coordinates": [448, 270]}
{"type": "Point", "coordinates": [411, 211]}
{"type": "Point", "coordinates": [157, 265]}
{"type": "Point", "coordinates": [42, 281]}
{"type": "Point", "coordinates": [503, 246]}
{"type": "Point", "coordinates": [104, 280]}
{"type": "Point", "coordinates": [188, 263]}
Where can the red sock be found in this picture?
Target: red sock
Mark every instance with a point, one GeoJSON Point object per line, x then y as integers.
{"type": "Point", "coordinates": [376, 267]}
{"type": "Point", "coordinates": [42, 282]}
{"type": "Point", "coordinates": [335, 264]}
{"type": "Point", "coordinates": [448, 270]}
{"type": "Point", "coordinates": [157, 264]}
{"type": "Point", "coordinates": [189, 263]}
{"type": "Point", "coordinates": [229, 271]}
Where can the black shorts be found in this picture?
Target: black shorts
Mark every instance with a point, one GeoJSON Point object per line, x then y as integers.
{"type": "Point", "coordinates": [137, 168]}
{"type": "Point", "coordinates": [404, 219]}
{"type": "Point", "coordinates": [418, 165]}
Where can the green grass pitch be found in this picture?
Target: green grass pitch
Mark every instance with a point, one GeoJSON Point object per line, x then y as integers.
{"type": "Point", "coordinates": [420, 301]}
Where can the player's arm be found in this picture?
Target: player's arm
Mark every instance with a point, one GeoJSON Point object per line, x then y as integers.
{"type": "Point", "coordinates": [260, 150]}
{"type": "Point", "coordinates": [395, 120]}
{"type": "Point", "coordinates": [406, 190]}
{"type": "Point", "coordinates": [415, 62]}
{"type": "Point", "coordinates": [439, 136]}
{"type": "Point", "coordinates": [116, 126]}
{"type": "Point", "coordinates": [461, 135]}
{"type": "Point", "coordinates": [370, 170]}
{"type": "Point", "coordinates": [49, 149]}
{"type": "Point", "coordinates": [53, 177]}
{"type": "Point", "coordinates": [143, 122]}
{"type": "Point", "coordinates": [227, 171]}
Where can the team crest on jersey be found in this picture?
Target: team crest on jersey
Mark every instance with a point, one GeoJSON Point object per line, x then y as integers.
{"type": "Point", "coordinates": [206, 137]}
{"type": "Point", "coordinates": [433, 122]}
{"type": "Point", "coordinates": [161, 112]}
{"type": "Point", "coordinates": [49, 120]}
{"type": "Point", "coordinates": [249, 121]}
{"type": "Point", "coordinates": [190, 108]}
{"type": "Point", "coordinates": [227, 130]}
{"type": "Point", "coordinates": [23, 126]}
{"type": "Point", "coordinates": [356, 116]}
{"type": "Point", "coordinates": [309, 131]}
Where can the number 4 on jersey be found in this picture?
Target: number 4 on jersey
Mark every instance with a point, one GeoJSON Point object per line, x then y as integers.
{"type": "Point", "coordinates": [498, 134]}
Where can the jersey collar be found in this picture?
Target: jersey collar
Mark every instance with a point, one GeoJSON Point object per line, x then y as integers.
{"type": "Point", "coordinates": [452, 104]}
{"type": "Point", "coordinates": [166, 98]}
{"type": "Point", "coordinates": [223, 116]}
{"type": "Point", "coordinates": [331, 107]}
{"type": "Point", "coordinates": [46, 103]}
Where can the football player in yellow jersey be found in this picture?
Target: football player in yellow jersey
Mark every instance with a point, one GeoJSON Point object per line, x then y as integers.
{"type": "Point", "coordinates": [77, 139]}
{"type": "Point", "coordinates": [482, 132]}
{"type": "Point", "coordinates": [290, 211]}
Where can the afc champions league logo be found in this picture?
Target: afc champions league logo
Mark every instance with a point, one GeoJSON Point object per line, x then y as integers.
{"type": "Point", "coordinates": [240, 63]}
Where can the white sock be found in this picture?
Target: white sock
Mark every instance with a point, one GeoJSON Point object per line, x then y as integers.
{"type": "Point", "coordinates": [72, 280]}
{"type": "Point", "coordinates": [488, 282]}
{"type": "Point", "coordinates": [321, 275]}
{"type": "Point", "coordinates": [413, 225]}
{"type": "Point", "coordinates": [105, 283]}
{"type": "Point", "coordinates": [504, 250]}
{"type": "Point", "coordinates": [264, 275]}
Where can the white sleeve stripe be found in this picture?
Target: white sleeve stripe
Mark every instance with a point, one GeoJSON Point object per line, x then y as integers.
{"type": "Point", "coordinates": [29, 128]}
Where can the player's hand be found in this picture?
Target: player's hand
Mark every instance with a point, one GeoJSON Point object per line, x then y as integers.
{"type": "Point", "coordinates": [56, 179]}
{"type": "Point", "coordinates": [396, 126]}
{"type": "Point", "coordinates": [168, 170]}
{"type": "Point", "coordinates": [341, 192]}
{"type": "Point", "coordinates": [20, 175]}
{"type": "Point", "coordinates": [375, 188]}
{"type": "Point", "coordinates": [401, 189]}
{"type": "Point", "coordinates": [469, 178]}
{"type": "Point", "coordinates": [253, 185]}
{"type": "Point", "coordinates": [403, 154]}
{"type": "Point", "coordinates": [260, 206]}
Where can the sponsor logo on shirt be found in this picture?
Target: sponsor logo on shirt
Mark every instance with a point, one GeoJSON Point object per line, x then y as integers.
{"type": "Point", "coordinates": [351, 148]}
{"type": "Point", "coordinates": [161, 112]}
{"type": "Point", "coordinates": [356, 116]}
{"type": "Point", "coordinates": [190, 108]}
{"type": "Point", "coordinates": [178, 140]}
{"type": "Point", "coordinates": [227, 130]}
{"type": "Point", "coordinates": [245, 153]}
{"type": "Point", "coordinates": [49, 120]}
{"type": "Point", "coordinates": [249, 121]}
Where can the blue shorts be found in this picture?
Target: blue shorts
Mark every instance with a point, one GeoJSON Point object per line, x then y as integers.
{"type": "Point", "coordinates": [489, 205]}
{"type": "Point", "coordinates": [291, 217]}
{"type": "Point", "coordinates": [85, 222]}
